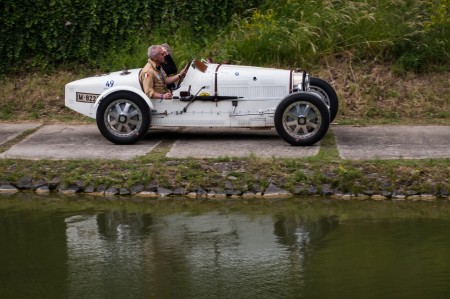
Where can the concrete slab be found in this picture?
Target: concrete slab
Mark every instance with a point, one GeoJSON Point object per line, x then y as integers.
{"type": "Point", "coordinates": [392, 142]}
{"type": "Point", "coordinates": [10, 131]}
{"type": "Point", "coordinates": [227, 142]}
{"type": "Point", "coordinates": [61, 142]}
{"type": "Point", "coordinates": [66, 142]}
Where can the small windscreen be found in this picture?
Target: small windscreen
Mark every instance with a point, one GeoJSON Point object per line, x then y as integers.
{"type": "Point", "coordinates": [200, 66]}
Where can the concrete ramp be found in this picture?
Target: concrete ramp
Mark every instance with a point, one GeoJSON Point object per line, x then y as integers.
{"type": "Point", "coordinates": [10, 131]}
{"type": "Point", "coordinates": [392, 142]}
{"type": "Point", "coordinates": [227, 142]}
{"type": "Point", "coordinates": [66, 142]}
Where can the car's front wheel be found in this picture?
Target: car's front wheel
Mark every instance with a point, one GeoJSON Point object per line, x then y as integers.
{"type": "Point", "coordinates": [302, 119]}
{"type": "Point", "coordinates": [123, 118]}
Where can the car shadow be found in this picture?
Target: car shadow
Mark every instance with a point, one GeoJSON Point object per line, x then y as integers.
{"type": "Point", "coordinates": [212, 134]}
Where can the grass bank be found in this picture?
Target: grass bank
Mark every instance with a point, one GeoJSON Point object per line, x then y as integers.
{"type": "Point", "coordinates": [369, 93]}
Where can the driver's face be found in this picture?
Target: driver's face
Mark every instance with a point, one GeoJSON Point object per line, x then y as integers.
{"type": "Point", "coordinates": [160, 56]}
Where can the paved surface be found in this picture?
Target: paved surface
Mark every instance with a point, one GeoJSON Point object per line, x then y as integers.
{"type": "Point", "coordinates": [355, 143]}
{"type": "Point", "coordinates": [11, 131]}
{"type": "Point", "coordinates": [213, 142]}
{"type": "Point", "coordinates": [393, 142]}
{"type": "Point", "coordinates": [64, 142]}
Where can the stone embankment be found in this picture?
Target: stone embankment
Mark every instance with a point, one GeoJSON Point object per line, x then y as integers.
{"type": "Point", "coordinates": [154, 190]}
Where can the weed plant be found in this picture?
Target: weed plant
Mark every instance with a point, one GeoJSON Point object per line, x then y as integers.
{"type": "Point", "coordinates": [293, 33]}
{"type": "Point", "coordinates": [413, 35]}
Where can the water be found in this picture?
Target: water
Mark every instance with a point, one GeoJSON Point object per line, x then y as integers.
{"type": "Point", "coordinates": [91, 248]}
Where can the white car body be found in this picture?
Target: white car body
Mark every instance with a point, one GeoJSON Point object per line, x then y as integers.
{"type": "Point", "coordinates": [210, 95]}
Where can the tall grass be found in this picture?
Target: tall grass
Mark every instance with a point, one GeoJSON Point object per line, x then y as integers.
{"type": "Point", "coordinates": [412, 34]}
{"type": "Point", "coordinates": [292, 33]}
{"type": "Point", "coordinates": [129, 57]}
{"type": "Point", "coordinates": [184, 44]}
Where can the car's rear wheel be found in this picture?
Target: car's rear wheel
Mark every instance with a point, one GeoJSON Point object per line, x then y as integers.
{"type": "Point", "coordinates": [302, 119]}
{"type": "Point", "coordinates": [123, 118]}
{"type": "Point", "coordinates": [327, 92]}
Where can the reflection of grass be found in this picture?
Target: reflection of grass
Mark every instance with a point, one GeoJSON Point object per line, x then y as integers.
{"type": "Point", "coordinates": [297, 210]}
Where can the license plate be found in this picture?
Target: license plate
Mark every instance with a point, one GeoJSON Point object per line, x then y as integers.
{"type": "Point", "coordinates": [86, 97]}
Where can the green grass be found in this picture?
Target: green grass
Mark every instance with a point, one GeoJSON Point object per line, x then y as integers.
{"type": "Point", "coordinates": [424, 176]}
{"type": "Point", "coordinates": [302, 33]}
{"type": "Point", "coordinates": [412, 35]}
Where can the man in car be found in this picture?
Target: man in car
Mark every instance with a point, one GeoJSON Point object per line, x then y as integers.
{"type": "Point", "coordinates": [153, 77]}
{"type": "Point", "coordinates": [169, 64]}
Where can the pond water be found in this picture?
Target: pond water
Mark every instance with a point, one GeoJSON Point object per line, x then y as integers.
{"type": "Point", "coordinates": [54, 247]}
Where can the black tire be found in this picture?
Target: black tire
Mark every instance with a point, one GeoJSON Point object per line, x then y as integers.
{"type": "Point", "coordinates": [327, 92]}
{"type": "Point", "coordinates": [123, 117]}
{"type": "Point", "coordinates": [302, 119]}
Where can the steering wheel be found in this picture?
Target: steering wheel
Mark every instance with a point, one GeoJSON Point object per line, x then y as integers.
{"type": "Point", "coordinates": [183, 72]}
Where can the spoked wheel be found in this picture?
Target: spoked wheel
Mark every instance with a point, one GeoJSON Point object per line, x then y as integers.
{"type": "Point", "coordinates": [123, 118]}
{"type": "Point", "coordinates": [302, 119]}
{"type": "Point", "coordinates": [327, 92]}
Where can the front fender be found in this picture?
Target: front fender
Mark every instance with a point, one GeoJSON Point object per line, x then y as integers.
{"type": "Point", "coordinates": [315, 94]}
{"type": "Point", "coordinates": [112, 90]}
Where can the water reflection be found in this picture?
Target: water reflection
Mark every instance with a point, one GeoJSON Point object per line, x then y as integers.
{"type": "Point", "coordinates": [104, 254]}
{"type": "Point", "coordinates": [202, 255]}
{"type": "Point", "coordinates": [310, 249]}
{"type": "Point", "coordinates": [32, 255]}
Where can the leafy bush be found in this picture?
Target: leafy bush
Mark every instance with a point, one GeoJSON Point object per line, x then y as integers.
{"type": "Point", "coordinates": [303, 32]}
{"type": "Point", "coordinates": [111, 34]}
{"type": "Point", "coordinates": [41, 33]}
{"type": "Point", "coordinates": [430, 47]}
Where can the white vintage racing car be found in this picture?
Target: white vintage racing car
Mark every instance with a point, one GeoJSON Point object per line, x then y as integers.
{"type": "Point", "coordinates": [300, 107]}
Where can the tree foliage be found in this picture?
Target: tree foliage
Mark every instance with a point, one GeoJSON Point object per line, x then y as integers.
{"type": "Point", "coordinates": [44, 33]}
{"type": "Point", "coordinates": [40, 33]}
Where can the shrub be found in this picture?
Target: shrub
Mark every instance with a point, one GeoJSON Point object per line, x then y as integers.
{"type": "Point", "coordinates": [303, 32]}
{"type": "Point", "coordinates": [41, 33]}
